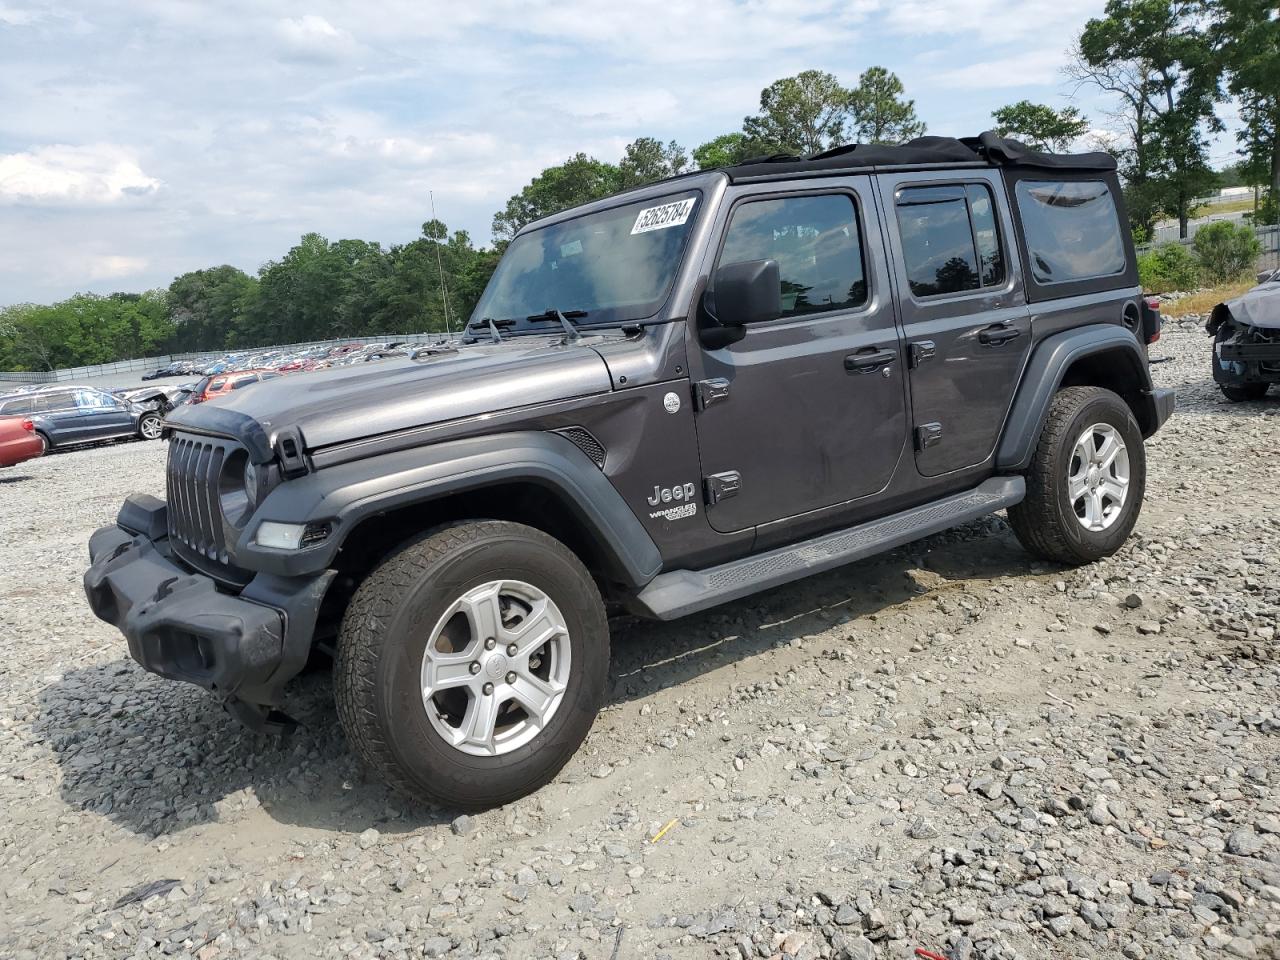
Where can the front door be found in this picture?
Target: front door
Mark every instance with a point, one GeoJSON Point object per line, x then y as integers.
{"type": "Point", "coordinates": [101, 415]}
{"type": "Point", "coordinates": [964, 314]}
{"type": "Point", "coordinates": [809, 410]}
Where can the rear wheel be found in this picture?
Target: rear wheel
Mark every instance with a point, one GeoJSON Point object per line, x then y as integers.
{"type": "Point", "coordinates": [1086, 481]}
{"type": "Point", "coordinates": [1243, 392]}
{"type": "Point", "coordinates": [471, 664]}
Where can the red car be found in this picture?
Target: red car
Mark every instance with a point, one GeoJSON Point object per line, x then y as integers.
{"type": "Point", "coordinates": [18, 441]}
{"type": "Point", "coordinates": [212, 387]}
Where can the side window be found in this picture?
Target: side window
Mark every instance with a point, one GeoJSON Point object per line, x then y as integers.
{"type": "Point", "coordinates": [816, 243]}
{"type": "Point", "coordinates": [92, 400]}
{"type": "Point", "coordinates": [16, 407]}
{"type": "Point", "coordinates": [53, 402]}
{"type": "Point", "coordinates": [950, 242]}
{"type": "Point", "coordinates": [1072, 229]}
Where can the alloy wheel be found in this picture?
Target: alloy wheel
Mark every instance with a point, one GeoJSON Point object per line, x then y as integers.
{"type": "Point", "coordinates": [495, 668]}
{"type": "Point", "coordinates": [1098, 478]}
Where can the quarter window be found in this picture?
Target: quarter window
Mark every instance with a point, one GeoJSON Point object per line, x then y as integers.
{"type": "Point", "coordinates": [815, 241]}
{"type": "Point", "coordinates": [950, 242]}
{"type": "Point", "coordinates": [1072, 229]}
{"type": "Point", "coordinates": [53, 402]}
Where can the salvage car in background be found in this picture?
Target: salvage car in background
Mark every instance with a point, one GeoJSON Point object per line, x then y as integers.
{"type": "Point", "coordinates": [213, 387]}
{"type": "Point", "coordinates": [1246, 341]}
{"type": "Point", "coordinates": [65, 416]}
{"type": "Point", "coordinates": [19, 441]}
{"type": "Point", "coordinates": [159, 399]}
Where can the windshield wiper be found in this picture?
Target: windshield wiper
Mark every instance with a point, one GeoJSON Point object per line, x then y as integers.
{"type": "Point", "coordinates": [570, 331]}
{"type": "Point", "coordinates": [490, 324]}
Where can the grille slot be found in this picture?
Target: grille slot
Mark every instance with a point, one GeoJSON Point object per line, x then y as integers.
{"type": "Point", "coordinates": [196, 528]}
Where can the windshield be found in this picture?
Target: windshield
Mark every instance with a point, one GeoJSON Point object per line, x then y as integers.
{"type": "Point", "coordinates": [616, 265]}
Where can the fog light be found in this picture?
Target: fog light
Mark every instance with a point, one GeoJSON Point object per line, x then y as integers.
{"type": "Point", "coordinates": [281, 536]}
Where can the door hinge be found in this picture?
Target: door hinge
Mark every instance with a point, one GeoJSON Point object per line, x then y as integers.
{"type": "Point", "coordinates": [927, 434]}
{"type": "Point", "coordinates": [707, 392]}
{"type": "Point", "coordinates": [921, 350]}
{"type": "Point", "coordinates": [722, 486]}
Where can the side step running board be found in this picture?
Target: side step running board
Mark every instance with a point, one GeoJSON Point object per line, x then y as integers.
{"type": "Point", "coordinates": [680, 592]}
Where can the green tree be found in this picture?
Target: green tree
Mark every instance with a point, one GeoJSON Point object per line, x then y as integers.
{"type": "Point", "coordinates": [577, 180]}
{"type": "Point", "coordinates": [207, 307]}
{"type": "Point", "coordinates": [1246, 34]}
{"type": "Point", "coordinates": [725, 151]}
{"type": "Point", "coordinates": [1040, 126]}
{"type": "Point", "coordinates": [83, 329]}
{"type": "Point", "coordinates": [803, 114]}
{"type": "Point", "coordinates": [1226, 251]}
{"type": "Point", "coordinates": [647, 160]}
{"type": "Point", "coordinates": [1156, 57]}
{"type": "Point", "coordinates": [879, 113]}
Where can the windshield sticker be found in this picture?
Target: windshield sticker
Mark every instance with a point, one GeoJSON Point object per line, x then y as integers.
{"type": "Point", "coordinates": [571, 249]}
{"type": "Point", "coordinates": [667, 215]}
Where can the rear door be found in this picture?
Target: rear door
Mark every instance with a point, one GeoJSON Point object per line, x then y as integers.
{"type": "Point", "coordinates": [59, 411]}
{"type": "Point", "coordinates": [964, 312]}
{"type": "Point", "coordinates": [809, 410]}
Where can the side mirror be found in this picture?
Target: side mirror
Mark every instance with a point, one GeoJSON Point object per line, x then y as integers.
{"type": "Point", "coordinates": [746, 292]}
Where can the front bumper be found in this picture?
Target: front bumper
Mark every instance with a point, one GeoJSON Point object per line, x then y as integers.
{"type": "Point", "coordinates": [241, 647]}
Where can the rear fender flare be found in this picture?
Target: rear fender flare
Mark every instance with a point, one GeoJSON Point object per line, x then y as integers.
{"type": "Point", "coordinates": [348, 493]}
{"type": "Point", "coordinates": [1045, 373]}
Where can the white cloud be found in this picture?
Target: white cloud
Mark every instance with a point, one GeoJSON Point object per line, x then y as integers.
{"type": "Point", "coordinates": [314, 39]}
{"type": "Point", "coordinates": [95, 174]}
{"type": "Point", "coordinates": [115, 266]}
{"type": "Point", "coordinates": [1033, 68]}
{"type": "Point", "coordinates": [18, 16]}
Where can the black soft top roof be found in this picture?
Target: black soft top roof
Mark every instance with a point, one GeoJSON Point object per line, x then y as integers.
{"type": "Point", "coordinates": [985, 150]}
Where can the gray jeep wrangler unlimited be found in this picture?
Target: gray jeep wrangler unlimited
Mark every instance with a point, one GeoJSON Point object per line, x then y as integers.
{"type": "Point", "coordinates": [666, 400]}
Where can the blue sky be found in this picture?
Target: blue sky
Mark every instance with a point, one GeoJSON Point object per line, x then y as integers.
{"type": "Point", "coordinates": [142, 139]}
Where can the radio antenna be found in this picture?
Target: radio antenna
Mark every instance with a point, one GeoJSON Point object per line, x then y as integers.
{"type": "Point", "coordinates": [444, 291]}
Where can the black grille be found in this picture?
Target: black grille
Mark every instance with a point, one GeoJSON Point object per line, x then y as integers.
{"type": "Point", "coordinates": [196, 528]}
{"type": "Point", "coordinates": [581, 438]}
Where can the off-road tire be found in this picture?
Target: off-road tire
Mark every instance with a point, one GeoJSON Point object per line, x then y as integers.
{"type": "Point", "coordinates": [1045, 522]}
{"type": "Point", "coordinates": [1243, 392]}
{"type": "Point", "coordinates": [380, 649]}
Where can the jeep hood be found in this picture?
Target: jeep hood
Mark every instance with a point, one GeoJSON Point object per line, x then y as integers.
{"type": "Point", "coordinates": [368, 399]}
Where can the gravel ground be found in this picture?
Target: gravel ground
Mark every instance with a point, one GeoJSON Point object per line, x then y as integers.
{"type": "Point", "coordinates": [950, 747]}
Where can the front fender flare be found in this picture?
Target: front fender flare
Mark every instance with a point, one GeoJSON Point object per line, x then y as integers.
{"type": "Point", "coordinates": [346, 494]}
{"type": "Point", "coordinates": [1044, 374]}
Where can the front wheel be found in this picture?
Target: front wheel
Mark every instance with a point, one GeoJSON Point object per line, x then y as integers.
{"type": "Point", "coordinates": [1243, 392]}
{"type": "Point", "coordinates": [1086, 481]}
{"type": "Point", "coordinates": [471, 664]}
{"type": "Point", "coordinates": [149, 426]}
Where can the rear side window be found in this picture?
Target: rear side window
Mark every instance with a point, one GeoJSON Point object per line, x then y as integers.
{"type": "Point", "coordinates": [1072, 229]}
{"type": "Point", "coordinates": [815, 241]}
{"type": "Point", "coordinates": [243, 382]}
{"type": "Point", "coordinates": [52, 402]}
{"type": "Point", "coordinates": [950, 242]}
{"type": "Point", "coordinates": [15, 407]}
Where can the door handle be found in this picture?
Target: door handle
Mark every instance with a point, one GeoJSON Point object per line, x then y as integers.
{"type": "Point", "coordinates": [870, 359]}
{"type": "Point", "coordinates": [997, 334]}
